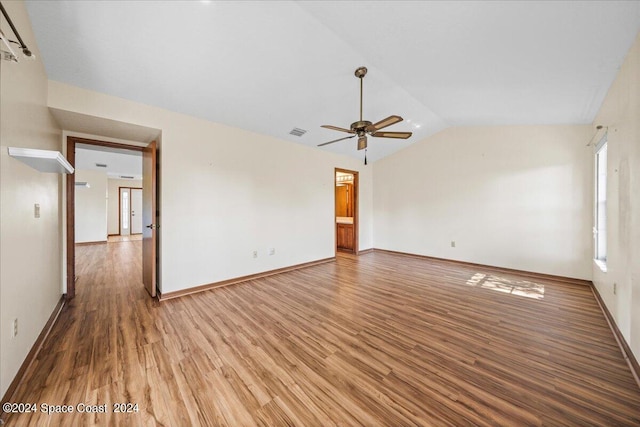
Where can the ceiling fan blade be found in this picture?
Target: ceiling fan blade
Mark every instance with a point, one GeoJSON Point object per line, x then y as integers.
{"type": "Point", "coordinates": [335, 140]}
{"type": "Point", "coordinates": [337, 128]}
{"type": "Point", "coordinates": [399, 135]}
{"type": "Point", "coordinates": [391, 120]}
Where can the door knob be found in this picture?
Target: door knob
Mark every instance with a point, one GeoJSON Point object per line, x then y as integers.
{"type": "Point", "coordinates": [152, 226]}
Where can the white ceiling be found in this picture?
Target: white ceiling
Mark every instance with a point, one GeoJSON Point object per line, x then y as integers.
{"type": "Point", "coordinates": [272, 66]}
{"type": "Point", "coordinates": [119, 162]}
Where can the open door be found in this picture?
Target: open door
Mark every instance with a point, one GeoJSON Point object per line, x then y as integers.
{"type": "Point", "coordinates": [346, 210]}
{"type": "Point", "coordinates": [149, 218]}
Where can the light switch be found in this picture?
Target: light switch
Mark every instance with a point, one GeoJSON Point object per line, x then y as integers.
{"type": "Point", "coordinates": [36, 210]}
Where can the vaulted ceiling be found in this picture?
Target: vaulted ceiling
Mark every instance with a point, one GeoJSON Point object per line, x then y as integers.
{"type": "Point", "coordinates": [271, 66]}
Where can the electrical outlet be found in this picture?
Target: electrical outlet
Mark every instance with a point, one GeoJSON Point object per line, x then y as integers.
{"type": "Point", "coordinates": [615, 285]}
{"type": "Point", "coordinates": [272, 251]}
{"type": "Point", "coordinates": [453, 243]}
{"type": "Point", "coordinates": [36, 210]}
{"type": "Point", "coordinates": [14, 332]}
{"type": "Point", "coordinates": [255, 254]}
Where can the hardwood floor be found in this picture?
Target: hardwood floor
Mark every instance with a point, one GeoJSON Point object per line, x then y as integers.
{"type": "Point", "coordinates": [379, 339]}
{"type": "Point", "coordinates": [129, 238]}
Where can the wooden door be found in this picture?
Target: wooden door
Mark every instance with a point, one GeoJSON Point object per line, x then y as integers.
{"type": "Point", "coordinates": [149, 218]}
{"type": "Point", "coordinates": [344, 234]}
{"type": "Point", "coordinates": [341, 200]}
{"type": "Point", "coordinates": [344, 200]}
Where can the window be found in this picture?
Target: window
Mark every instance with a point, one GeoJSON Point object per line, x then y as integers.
{"type": "Point", "coordinates": [600, 228]}
{"type": "Point", "coordinates": [125, 210]}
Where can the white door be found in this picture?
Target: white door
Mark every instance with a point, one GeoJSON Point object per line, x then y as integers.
{"type": "Point", "coordinates": [125, 212]}
{"type": "Point", "coordinates": [136, 211]}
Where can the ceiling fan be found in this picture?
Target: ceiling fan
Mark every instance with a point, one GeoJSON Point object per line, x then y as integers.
{"type": "Point", "coordinates": [362, 128]}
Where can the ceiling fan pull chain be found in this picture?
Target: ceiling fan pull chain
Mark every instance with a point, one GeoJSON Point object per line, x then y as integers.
{"type": "Point", "coordinates": [365, 157]}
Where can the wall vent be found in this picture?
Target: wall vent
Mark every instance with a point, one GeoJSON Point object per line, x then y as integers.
{"type": "Point", "coordinates": [101, 165]}
{"type": "Point", "coordinates": [126, 177]}
{"type": "Point", "coordinates": [297, 132]}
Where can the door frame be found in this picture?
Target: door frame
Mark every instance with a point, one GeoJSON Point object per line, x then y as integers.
{"type": "Point", "coordinates": [120, 208]}
{"type": "Point", "coordinates": [356, 209]}
{"type": "Point", "coordinates": [71, 199]}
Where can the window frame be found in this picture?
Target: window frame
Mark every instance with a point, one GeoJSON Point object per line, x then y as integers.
{"type": "Point", "coordinates": [600, 204]}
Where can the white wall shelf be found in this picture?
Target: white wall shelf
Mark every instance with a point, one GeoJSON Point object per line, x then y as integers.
{"type": "Point", "coordinates": [42, 160]}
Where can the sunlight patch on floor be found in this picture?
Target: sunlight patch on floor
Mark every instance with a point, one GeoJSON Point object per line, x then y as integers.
{"type": "Point", "coordinates": [520, 288]}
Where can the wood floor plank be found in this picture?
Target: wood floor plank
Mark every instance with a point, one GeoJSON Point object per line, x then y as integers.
{"type": "Point", "coordinates": [380, 339]}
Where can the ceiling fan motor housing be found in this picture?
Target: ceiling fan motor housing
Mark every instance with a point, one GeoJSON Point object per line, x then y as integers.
{"type": "Point", "coordinates": [360, 125]}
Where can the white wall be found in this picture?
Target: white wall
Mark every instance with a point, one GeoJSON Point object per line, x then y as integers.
{"type": "Point", "coordinates": [516, 197]}
{"type": "Point", "coordinates": [91, 207]}
{"type": "Point", "coordinates": [30, 254]}
{"type": "Point", "coordinates": [621, 113]}
{"type": "Point", "coordinates": [225, 192]}
{"type": "Point", "coordinates": [113, 194]}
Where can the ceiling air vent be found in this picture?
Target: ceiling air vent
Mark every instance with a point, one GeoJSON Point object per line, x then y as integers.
{"type": "Point", "coordinates": [297, 132]}
{"type": "Point", "coordinates": [101, 165]}
{"type": "Point", "coordinates": [126, 177]}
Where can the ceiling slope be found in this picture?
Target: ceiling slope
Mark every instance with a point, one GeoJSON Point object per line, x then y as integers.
{"type": "Point", "coordinates": [271, 66]}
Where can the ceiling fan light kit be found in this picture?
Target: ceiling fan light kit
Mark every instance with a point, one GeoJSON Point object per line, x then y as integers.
{"type": "Point", "coordinates": [362, 128]}
{"type": "Point", "coordinates": [362, 142]}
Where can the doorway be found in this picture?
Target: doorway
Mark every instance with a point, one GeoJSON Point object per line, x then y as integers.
{"type": "Point", "coordinates": [145, 203]}
{"type": "Point", "coordinates": [346, 210]}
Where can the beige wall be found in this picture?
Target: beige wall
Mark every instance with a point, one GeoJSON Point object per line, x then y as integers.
{"type": "Point", "coordinates": [226, 192]}
{"type": "Point", "coordinates": [621, 113]}
{"type": "Point", "coordinates": [30, 255]}
{"type": "Point", "coordinates": [516, 197]}
{"type": "Point", "coordinates": [113, 194]}
{"type": "Point", "coordinates": [91, 207]}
